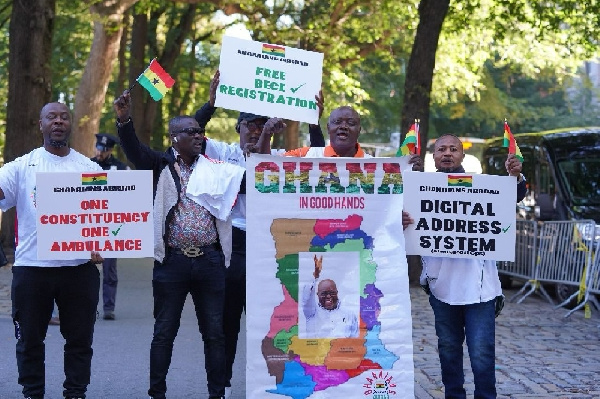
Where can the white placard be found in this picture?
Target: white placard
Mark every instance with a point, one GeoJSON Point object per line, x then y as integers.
{"type": "Point", "coordinates": [269, 79]}
{"type": "Point", "coordinates": [109, 212]}
{"type": "Point", "coordinates": [460, 215]}
{"type": "Point", "coordinates": [345, 214]}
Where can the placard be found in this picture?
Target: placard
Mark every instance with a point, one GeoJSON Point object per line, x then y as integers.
{"type": "Point", "coordinates": [461, 215]}
{"type": "Point", "coordinates": [269, 79]}
{"type": "Point", "coordinates": [108, 212]}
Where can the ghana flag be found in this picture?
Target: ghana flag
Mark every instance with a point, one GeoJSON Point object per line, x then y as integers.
{"type": "Point", "coordinates": [272, 49]}
{"type": "Point", "coordinates": [511, 143]}
{"type": "Point", "coordinates": [410, 145]}
{"type": "Point", "coordinates": [460, 181]}
{"type": "Point", "coordinates": [156, 80]}
{"type": "Point", "coordinates": [94, 179]}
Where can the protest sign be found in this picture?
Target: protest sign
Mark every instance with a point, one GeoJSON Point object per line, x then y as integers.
{"type": "Point", "coordinates": [269, 79]}
{"type": "Point", "coordinates": [342, 215]}
{"type": "Point", "coordinates": [460, 215]}
{"type": "Point", "coordinates": [109, 212]}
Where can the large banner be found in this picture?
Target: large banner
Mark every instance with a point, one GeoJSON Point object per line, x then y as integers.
{"type": "Point", "coordinates": [328, 305]}
{"type": "Point", "coordinates": [461, 215]}
{"type": "Point", "coordinates": [109, 212]}
{"type": "Point", "coordinates": [269, 79]}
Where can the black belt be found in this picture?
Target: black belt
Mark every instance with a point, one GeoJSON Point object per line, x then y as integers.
{"type": "Point", "coordinates": [194, 252]}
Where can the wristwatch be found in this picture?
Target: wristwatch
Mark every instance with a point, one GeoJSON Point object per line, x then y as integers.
{"type": "Point", "coordinates": [120, 124]}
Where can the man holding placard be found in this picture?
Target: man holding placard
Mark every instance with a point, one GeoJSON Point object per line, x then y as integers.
{"type": "Point", "coordinates": [74, 283]}
{"type": "Point", "coordinates": [464, 293]}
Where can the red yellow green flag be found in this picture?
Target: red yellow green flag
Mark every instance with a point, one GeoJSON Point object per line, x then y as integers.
{"type": "Point", "coordinates": [411, 143]}
{"type": "Point", "coordinates": [156, 80]}
{"type": "Point", "coordinates": [511, 143]}
{"type": "Point", "coordinates": [94, 179]}
{"type": "Point", "coordinates": [272, 49]}
{"type": "Point", "coordinates": [460, 180]}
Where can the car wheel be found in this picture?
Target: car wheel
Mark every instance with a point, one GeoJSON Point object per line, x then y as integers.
{"type": "Point", "coordinates": [563, 292]}
{"type": "Point", "coordinates": [506, 281]}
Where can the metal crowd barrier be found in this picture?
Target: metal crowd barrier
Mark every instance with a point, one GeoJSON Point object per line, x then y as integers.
{"type": "Point", "coordinates": [524, 266]}
{"type": "Point", "coordinates": [557, 252]}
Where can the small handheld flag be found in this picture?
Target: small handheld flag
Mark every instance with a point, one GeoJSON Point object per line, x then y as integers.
{"type": "Point", "coordinates": [156, 80]}
{"type": "Point", "coordinates": [412, 141]}
{"type": "Point", "coordinates": [511, 143]}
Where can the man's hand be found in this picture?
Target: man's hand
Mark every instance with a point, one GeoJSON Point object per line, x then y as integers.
{"type": "Point", "coordinates": [121, 106]}
{"type": "Point", "coordinates": [318, 266]}
{"type": "Point", "coordinates": [214, 84]}
{"type": "Point", "coordinates": [406, 220]}
{"type": "Point", "coordinates": [417, 162]}
{"type": "Point", "coordinates": [513, 165]}
{"type": "Point", "coordinates": [320, 106]}
{"type": "Point", "coordinates": [96, 258]}
{"type": "Point", "coordinates": [273, 126]}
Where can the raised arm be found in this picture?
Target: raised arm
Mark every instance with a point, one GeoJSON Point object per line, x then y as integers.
{"type": "Point", "coordinates": [315, 132]}
{"type": "Point", "coordinates": [205, 113]}
{"type": "Point", "coordinates": [137, 153]}
{"type": "Point", "coordinates": [514, 167]}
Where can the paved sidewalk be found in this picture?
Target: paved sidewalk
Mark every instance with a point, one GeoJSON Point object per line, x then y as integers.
{"type": "Point", "coordinates": [539, 353]}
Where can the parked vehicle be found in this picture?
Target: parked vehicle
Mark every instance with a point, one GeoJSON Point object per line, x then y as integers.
{"type": "Point", "coordinates": [562, 169]}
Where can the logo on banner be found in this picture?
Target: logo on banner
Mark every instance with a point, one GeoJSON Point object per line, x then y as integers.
{"type": "Point", "coordinates": [94, 179]}
{"type": "Point", "coordinates": [379, 386]}
{"type": "Point", "coordinates": [271, 49]}
{"type": "Point", "coordinates": [460, 181]}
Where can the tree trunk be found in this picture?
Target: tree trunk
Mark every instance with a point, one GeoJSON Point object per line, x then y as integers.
{"type": "Point", "coordinates": [419, 78]}
{"type": "Point", "coordinates": [419, 73]}
{"type": "Point", "coordinates": [137, 64]}
{"type": "Point", "coordinates": [29, 86]}
{"type": "Point", "coordinates": [91, 94]}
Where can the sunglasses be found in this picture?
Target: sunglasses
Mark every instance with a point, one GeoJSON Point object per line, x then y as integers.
{"type": "Point", "coordinates": [191, 131]}
{"type": "Point", "coordinates": [254, 126]}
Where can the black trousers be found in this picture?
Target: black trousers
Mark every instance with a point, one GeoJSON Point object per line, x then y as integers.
{"type": "Point", "coordinates": [34, 291]}
{"type": "Point", "coordinates": [235, 299]}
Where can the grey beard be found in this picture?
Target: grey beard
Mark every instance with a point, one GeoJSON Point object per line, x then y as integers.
{"type": "Point", "coordinates": [58, 144]}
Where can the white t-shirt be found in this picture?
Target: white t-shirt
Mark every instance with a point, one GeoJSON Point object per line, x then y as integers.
{"type": "Point", "coordinates": [232, 153]}
{"type": "Point", "coordinates": [17, 181]}
{"type": "Point", "coordinates": [461, 281]}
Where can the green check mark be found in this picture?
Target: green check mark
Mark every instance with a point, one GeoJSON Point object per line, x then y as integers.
{"type": "Point", "coordinates": [115, 232]}
{"type": "Point", "coordinates": [296, 89]}
{"type": "Point", "coordinates": [506, 229]}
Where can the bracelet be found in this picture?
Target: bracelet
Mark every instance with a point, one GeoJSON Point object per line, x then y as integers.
{"type": "Point", "coordinates": [120, 124]}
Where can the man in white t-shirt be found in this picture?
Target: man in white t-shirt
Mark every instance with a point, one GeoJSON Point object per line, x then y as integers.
{"type": "Point", "coordinates": [74, 284]}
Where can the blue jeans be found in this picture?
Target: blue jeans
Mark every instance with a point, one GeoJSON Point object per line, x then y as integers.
{"type": "Point", "coordinates": [204, 278]}
{"type": "Point", "coordinates": [109, 284]}
{"type": "Point", "coordinates": [476, 323]}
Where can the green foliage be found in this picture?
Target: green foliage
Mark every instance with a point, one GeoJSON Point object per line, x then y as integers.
{"type": "Point", "coordinates": [70, 48]}
{"type": "Point", "coordinates": [496, 59]}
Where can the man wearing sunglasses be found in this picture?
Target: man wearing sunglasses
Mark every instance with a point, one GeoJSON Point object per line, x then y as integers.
{"type": "Point", "coordinates": [190, 249]}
